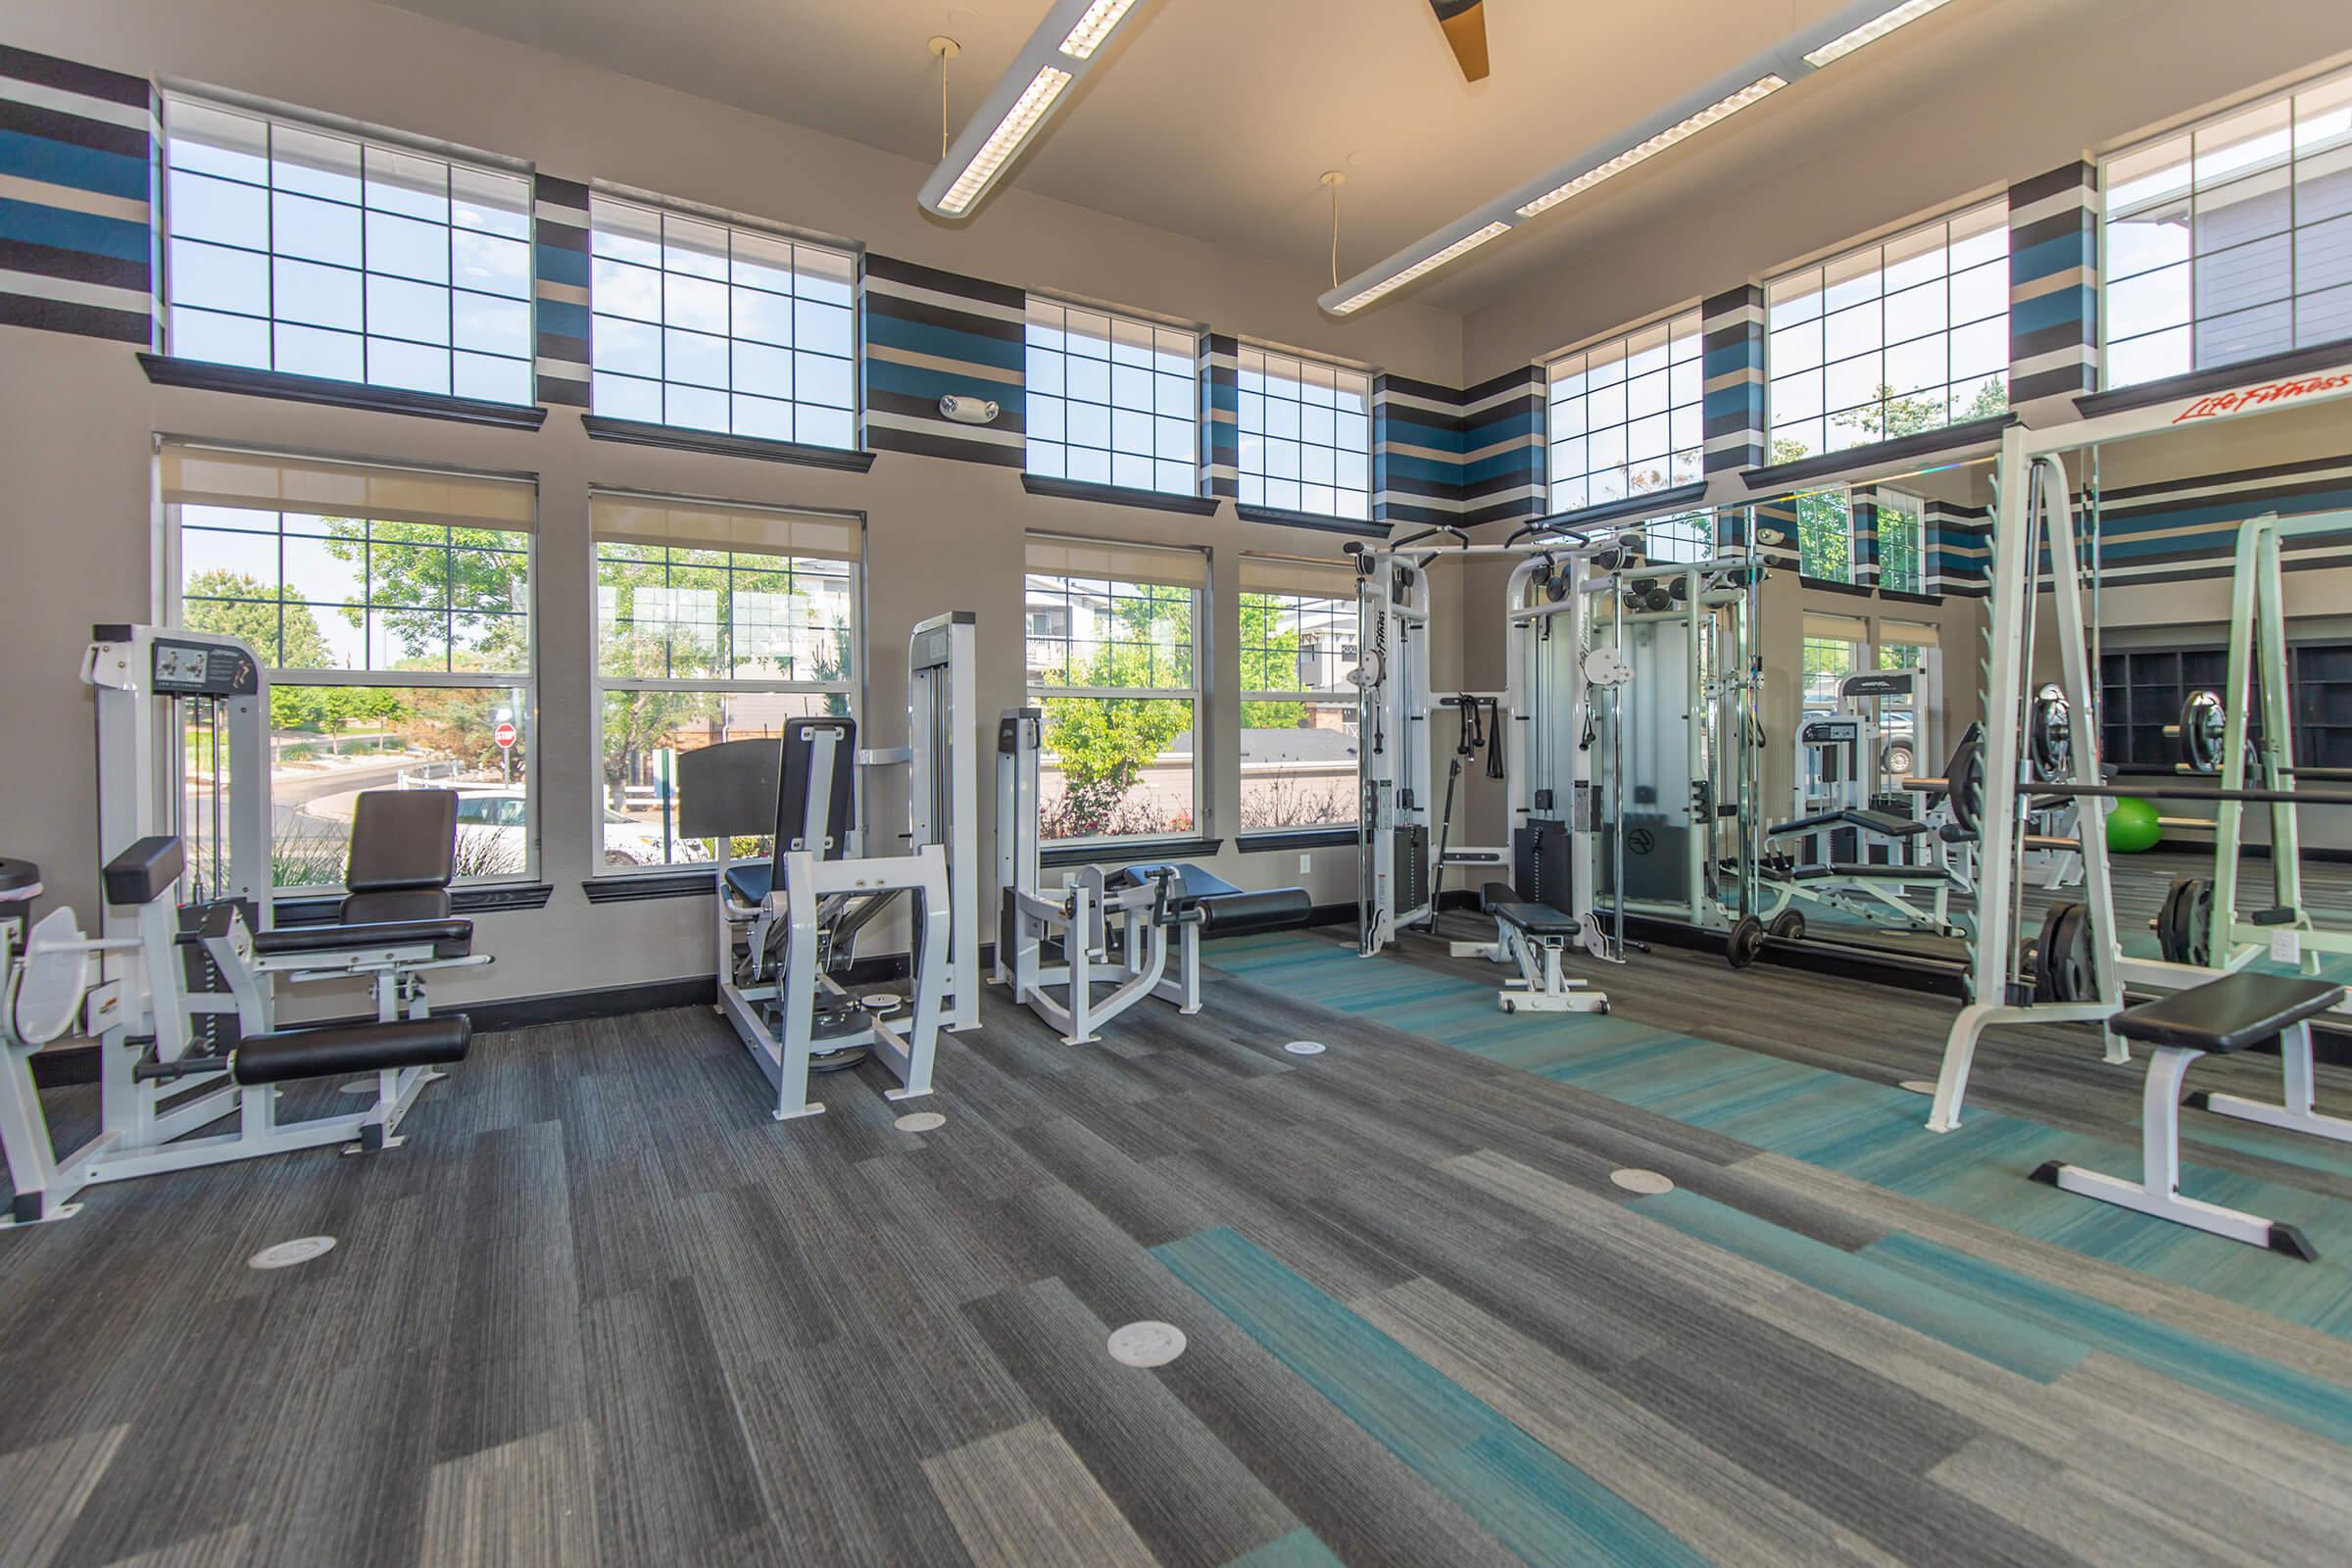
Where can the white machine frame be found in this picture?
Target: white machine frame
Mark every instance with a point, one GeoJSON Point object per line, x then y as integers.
{"type": "Point", "coordinates": [941, 870]}
{"type": "Point", "coordinates": [1548, 772]}
{"type": "Point", "coordinates": [2035, 512]}
{"type": "Point", "coordinates": [1085, 919]}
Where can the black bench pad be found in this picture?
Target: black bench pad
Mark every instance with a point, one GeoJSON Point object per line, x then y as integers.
{"type": "Point", "coordinates": [350, 1048]}
{"type": "Point", "coordinates": [450, 939]}
{"type": "Point", "coordinates": [1884, 823]}
{"type": "Point", "coordinates": [751, 880]}
{"type": "Point", "coordinates": [1225, 909]}
{"type": "Point", "coordinates": [2231, 1013]}
{"type": "Point", "coordinates": [1538, 919]}
{"type": "Point", "coordinates": [1864, 871]}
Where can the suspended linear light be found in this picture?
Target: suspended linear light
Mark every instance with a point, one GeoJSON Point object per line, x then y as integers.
{"type": "Point", "coordinates": [1869, 32]}
{"type": "Point", "coordinates": [1840, 34]}
{"type": "Point", "coordinates": [1755, 92]}
{"type": "Point", "coordinates": [1067, 43]}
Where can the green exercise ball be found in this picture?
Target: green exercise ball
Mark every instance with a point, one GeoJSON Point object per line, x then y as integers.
{"type": "Point", "coordinates": [2133, 825]}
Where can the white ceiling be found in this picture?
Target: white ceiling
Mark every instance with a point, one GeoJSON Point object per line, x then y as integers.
{"type": "Point", "coordinates": [1215, 118]}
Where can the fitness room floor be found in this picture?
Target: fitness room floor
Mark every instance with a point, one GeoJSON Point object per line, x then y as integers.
{"type": "Point", "coordinates": [1439, 1304]}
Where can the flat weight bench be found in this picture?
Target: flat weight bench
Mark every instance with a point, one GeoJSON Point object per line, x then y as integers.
{"type": "Point", "coordinates": [2232, 1013]}
{"type": "Point", "coordinates": [1535, 938]}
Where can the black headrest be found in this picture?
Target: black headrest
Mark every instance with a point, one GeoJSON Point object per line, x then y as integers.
{"type": "Point", "coordinates": [402, 839]}
{"type": "Point", "coordinates": [145, 871]}
{"type": "Point", "coordinates": [794, 786]}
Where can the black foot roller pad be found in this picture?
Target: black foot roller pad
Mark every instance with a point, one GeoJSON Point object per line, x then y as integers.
{"type": "Point", "coordinates": [339, 1049]}
{"type": "Point", "coordinates": [1225, 909]}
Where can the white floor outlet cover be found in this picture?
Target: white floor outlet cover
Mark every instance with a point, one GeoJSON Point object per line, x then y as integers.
{"type": "Point", "coordinates": [285, 1254]}
{"type": "Point", "coordinates": [1304, 1047]}
{"type": "Point", "coordinates": [1646, 1182]}
{"type": "Point", "coordinates": [358, 1086]}
{"type": "Point", "coordinates": [1146, 1344]}
{"type": "Point", "coordinates": [1917, 1086]}
{"type": "Point", "coordinates": [921, 1121]}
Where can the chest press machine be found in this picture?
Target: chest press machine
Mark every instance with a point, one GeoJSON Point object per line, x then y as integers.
{"type": "Point", "coordinates": [1545, 906]}
{"type": "Point", "coordinates": [786, 927]}
{"type": "Point", "coordinates": [1107, 926]}
{"type": "Point", "coordinates": [183, 1000]}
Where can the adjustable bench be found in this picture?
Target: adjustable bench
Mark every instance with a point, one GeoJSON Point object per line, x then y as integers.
{"type": "Point", "coordinates": [1532, 937]}
{"type": "Point", "coordinates": [2232, 1013]}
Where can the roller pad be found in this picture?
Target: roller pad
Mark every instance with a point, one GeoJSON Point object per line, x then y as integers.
{"type": "Point", "coordinates": [1225, 909]}
{"type": "Point", "coordinates": [450, 939]}
{"type": "Point", "coordinates": [145, 871]}
{"type": "Point", "coordinates": [340, 1050]}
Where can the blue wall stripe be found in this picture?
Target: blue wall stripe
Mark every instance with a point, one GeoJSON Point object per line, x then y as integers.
{"type": "Point", "coordinates": [922, 337]}
{"type": "Point", "coordinates": [68, 230]}
{"type": "Point", "coordinates": [57, 162]}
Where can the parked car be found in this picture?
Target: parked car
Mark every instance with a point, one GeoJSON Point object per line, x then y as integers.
{"type": "Point", "coordinates": [494, 835]}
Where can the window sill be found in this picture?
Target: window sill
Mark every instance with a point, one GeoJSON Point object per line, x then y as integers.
{"type": "Point", "coordinates": [1832, 585]}
{"type": "Point", "coordinates": [206, 376]}
{"type": "Point", "coordinates": [2220, 378]}
{"type": "Point", "coordinates": [1118, 495]}
{"type": "Point", "coordinates": [1127, 852]}
{"type": "Point", "coordinates": [319, 908]}
{"type": "Point", "coordinates": [719, 443]}
{"type": "Point", "coordinates": [1670, 502]}
{"type": "Point", "coordinates": [1947, 441]}
{"type": "Point", "coordinates": [1904, 596]}
{"type": "Point", "coordinates": [636, 887]}
{"type": "Point", "coordinates": [1309, 519]}
{"type": "Point", "coordinates": [1294, 838]}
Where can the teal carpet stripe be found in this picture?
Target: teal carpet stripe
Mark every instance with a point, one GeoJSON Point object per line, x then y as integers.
{"type": "Point", "coordinates": [1872, 1132]}
{"type": "Point", "coordinates": [1300, 1548]}
{"type": "Point", "coordinates": [1534, 1501]}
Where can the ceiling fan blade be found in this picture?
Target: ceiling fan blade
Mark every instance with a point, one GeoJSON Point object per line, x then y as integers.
{"type": "Point", "coordinates": [1465, 28]}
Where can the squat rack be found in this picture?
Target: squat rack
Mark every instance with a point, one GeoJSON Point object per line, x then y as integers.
{"type": "Point", "coordinates": [2034, 515]}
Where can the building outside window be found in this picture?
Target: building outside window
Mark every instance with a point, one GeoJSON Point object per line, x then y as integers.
{"type": "Point", "coordinates": [1112, 399]}
{"type": "Point", "coordinates": [1299, 710]}
{"type": "Point", "coordinates": [316, 251]}
{"type": "Point", "coordinates": [1896, 337]}
{"type": "Point", "coordinates": [1901, 540]}
{"type": "Point", "coordinates": [2232, 239]}
{"type": "Point", "coordinates": [1833, 650]}
{"type": "Point", "coordinates": [1117, 672]}
{"type": "Point", "coordinates": [391, 609]}
{"type": "Point", "coordinates": [1690, 536]}
{"type": "Point", "coordinates": [713, 325]}
{"type": "Point", "coordinates": [714, 621]}
{"type": "Point", "coordinates": [1305, 430]}
{"type": "Point", "coordinates": [1626, 416]}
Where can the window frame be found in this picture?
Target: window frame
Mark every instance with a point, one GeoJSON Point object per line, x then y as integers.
{"type": "Point", "coordinates": [664, 210]}
{"type": "Point", "coordinates": [601, 685]}
{"type": "Point", "coordinates": [1685, 325]}
{"type": "Point", "coordinates": [1033, 306]}
{"type": "Point", "coordinates": [1264, 355]}
{"type": "Point", "coordinates": [1196, 694]}
{"type": "Point", "coordinates": [2196, 186]}
{"type": "Point", "coordinates": [168, 609]}
{"type": "Point", "coordinates": [366, 138]}
{"type": "Point", "coordinates": [1819, 270]}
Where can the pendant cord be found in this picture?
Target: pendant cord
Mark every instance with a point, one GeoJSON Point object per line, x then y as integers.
{"type": "Point", "coordinates": [1334, 234]}
{"type": "Point", "coordinates": [942, 106]}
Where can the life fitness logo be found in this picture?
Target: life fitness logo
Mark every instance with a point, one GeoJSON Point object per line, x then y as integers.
{"type": "Point", "coordinates": [2256, 396]}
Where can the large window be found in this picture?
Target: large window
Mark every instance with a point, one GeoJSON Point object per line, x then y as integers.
{"type": "Point", "coordinates": [1113, 660]}
{"type": "Point", "coordinates": [1112, 399]}
{"type": "Point", "coordinates": [1626, 416]}
{"type": "Point", "coordinates": [712, 327]}
{"type": "Point", "coordinates": [391, 608]}
{"type": "Point", "coordinates": [713, 623]}
{"type": "Point", "coordinates": [1299, 710]}
{"type": "Point", "coordinates": [2233, 240]}
{"type": "Point", "coordinates": [1305, 435]}
{"type": "Point", "coordinates": [1905, 335]}
{"type": "Point", "coordinates": [318, 253]}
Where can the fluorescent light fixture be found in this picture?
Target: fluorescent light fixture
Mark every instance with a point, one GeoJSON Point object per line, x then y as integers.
{"type": "Point", "coordinates": [1021, 119]}
{"type": "Point", "coordinates": [1846, 29]}
{"type": "Point", "coordinates": [1877, 28]}
{"type": "Point", "coordinates": [1067, 44]}
{"type": "Point", "coordinates": [1427, 263]}
{"type": "Point", "coordinates": [1762, 87]}
{"type": "Point", "coordinates": [1102, 19]}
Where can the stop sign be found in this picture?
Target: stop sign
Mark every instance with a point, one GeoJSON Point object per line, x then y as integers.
{"type": "Point", "coordinates": [504, 734]}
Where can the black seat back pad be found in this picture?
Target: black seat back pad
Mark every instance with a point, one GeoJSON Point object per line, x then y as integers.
{"type": "Point", "coordinates": [335, 1049]}
{"type": "Point", "coordinates": [402, 839]}
{"type": "Point", "coordinates": [2232, 1014]}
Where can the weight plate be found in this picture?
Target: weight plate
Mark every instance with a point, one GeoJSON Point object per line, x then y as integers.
{"type": "Point", "coordinates": [2049, 735]}
{"type": "Point", "coordinates": [1966, 787]}
{"type": "Point", "coordinates": [2204, 727]}
{"type": "Point", "coordinates": [1746, 941]}
{"type": "Point", "coordinates": [2184, 926]}
{"type": "Point", "coordinates": [1789, 925]}
{"type": "Point", "coordinates": [2062, 966]}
